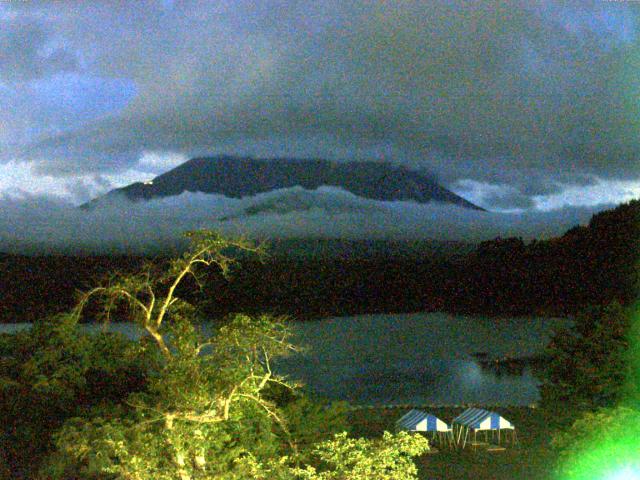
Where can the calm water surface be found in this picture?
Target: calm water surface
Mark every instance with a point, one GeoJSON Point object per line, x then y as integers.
{"type": "Point", "coordinates": [410, 358]}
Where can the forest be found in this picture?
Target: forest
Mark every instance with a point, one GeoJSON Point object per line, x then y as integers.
{"type": "Point", "coordinates": [179, 403]}
{"type": "Point", "coordinates": [588, 265]}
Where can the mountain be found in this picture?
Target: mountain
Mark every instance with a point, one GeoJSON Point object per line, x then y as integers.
{"type": "Point", "coordinates": [237, 177]}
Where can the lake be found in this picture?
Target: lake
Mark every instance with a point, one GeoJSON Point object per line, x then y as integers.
{"type": "Point", "coordinates": [411, 358]}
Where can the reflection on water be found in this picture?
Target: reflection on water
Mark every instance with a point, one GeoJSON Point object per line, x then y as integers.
{"type": "Point", "coordinates": [419, 358]}
{"type": "Point", "coordinates": [412, 358]}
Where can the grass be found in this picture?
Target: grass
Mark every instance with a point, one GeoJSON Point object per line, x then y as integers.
{"type": "Point", "coordinates": [530, 459]}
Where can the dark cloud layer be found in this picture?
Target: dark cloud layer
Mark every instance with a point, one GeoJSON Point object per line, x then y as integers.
{"type": "Point", "coordinates": [28, 50]}
{"type": "Point", "coordinates": [482, 90]}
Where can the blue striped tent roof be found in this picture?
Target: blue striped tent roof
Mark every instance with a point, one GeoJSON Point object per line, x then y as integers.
{"type": "Point", "coordinates": [479, 419]}
{"type": "Point", "coordinates": [419, 421]}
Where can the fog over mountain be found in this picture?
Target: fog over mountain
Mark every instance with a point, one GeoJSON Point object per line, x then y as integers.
{"type": "Point", "coordinates": [42, 224]}
{"type": "Point", "coordinates": [528, 109]}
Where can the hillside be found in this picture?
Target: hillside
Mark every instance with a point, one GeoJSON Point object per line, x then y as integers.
{"type": "Point", "coordinates": [243, 177]}
{"type": "Point", "coordinates": [590, 264]}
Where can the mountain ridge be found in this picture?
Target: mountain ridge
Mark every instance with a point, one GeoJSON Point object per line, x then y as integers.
{"type": "Point", "coordinates": [238, 177]}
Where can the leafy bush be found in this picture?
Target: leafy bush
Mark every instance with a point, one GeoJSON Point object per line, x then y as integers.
{"type": "Point", "coordinates": [388, 458]}
{"type": "Point", "coordinates": [589, 363]}
{"type": "Point", "coordinates": [53, 372]}
{"type": "Point", "coordinates": [344, 458]}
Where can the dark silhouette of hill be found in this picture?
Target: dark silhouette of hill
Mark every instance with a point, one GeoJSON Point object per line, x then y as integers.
{"type": "Point", "coordinates": [240, 177]}
{"type": "Point", "coordinates": [592, 264]}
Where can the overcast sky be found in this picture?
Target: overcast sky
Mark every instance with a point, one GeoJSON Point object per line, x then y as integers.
{"type": "Point", "coordinates": [529, 106]}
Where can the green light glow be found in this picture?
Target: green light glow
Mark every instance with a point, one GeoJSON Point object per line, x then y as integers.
{"type": "Point", "coordinates": [605, 445]}
{"type": "Point", "coordinates": [606, 458]}
{"type": "Point", "coordinates": [628, 473]}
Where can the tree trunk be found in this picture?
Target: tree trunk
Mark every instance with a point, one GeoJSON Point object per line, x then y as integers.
{"type": "Point", "coordinates": [179, 456]}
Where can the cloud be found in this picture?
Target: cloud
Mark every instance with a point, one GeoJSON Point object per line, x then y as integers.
{"type": "Point", "coordinates": [324, 200]}
{"type": "Point", "coordinates": [496, 197]}
{"type": "Point", "coordinates": [17, 178]}
{"type": "Point", "coordinates": [29, 51]}
{"type": "Point", "coordinates": [601, 192]}
{"type": "Point", "coordinates": [160, 162]}
{"type": "Point", "coordinates": [40, 224]}
{"type": "Point", "coordinates": [522, 94]}
{"type": "Point", "coordinates": [52, 105]}
{"type": "Point", "coordinates": [581, 191]}
{"type": "Point", "coordinates": [21, 180]}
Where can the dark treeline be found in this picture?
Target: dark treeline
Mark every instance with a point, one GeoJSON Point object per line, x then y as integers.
{"type": "Point", "coordinates": [588, 265]}
{"type": "Point", "coordinates": [593, 264]}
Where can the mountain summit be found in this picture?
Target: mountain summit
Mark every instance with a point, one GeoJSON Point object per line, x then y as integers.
{"type": "Point", "coordinates": [237, 177]}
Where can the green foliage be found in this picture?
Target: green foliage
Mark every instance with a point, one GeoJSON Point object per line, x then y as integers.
{"type": "Point", "coordinates": [133, 444]}
{"type": "Point", "coordinates": [210, 406]}
{"type": "Point", "coordinates": [601, 444]}
{"type": "Point", "coordinates": [53, 372]}
{"type": "Point", "coordinates": [344, 458]}
{"type": "Point", "coordinates": [313, 421]}
{"type": "Point", "coordinates": [388, 458]}
{"type": "Point", "coordinates": [199, 413]}
{"type": "Point", "coordinates": [588, 364]}
{"type": "Point", "coordinates": [204, 404]}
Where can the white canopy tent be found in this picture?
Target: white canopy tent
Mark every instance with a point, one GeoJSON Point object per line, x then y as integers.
{"type": "Point", "coordinates": [478, 420]}
{"type": "Point", "coordinates": [432, 426]}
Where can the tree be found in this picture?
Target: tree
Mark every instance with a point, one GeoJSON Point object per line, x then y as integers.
{"type": "Point", "coordinates": [212, 406]}
{"type": "Point", "coordinates": [344, 458]}
{"type": "Point", "coordinates": [53, 372]}
{"type": "Point", "coordinates": [204, 400]}
{"type": "Point", "coordinates": [198, 414]}
{"type": "Point", "coordinates": [589, 363]}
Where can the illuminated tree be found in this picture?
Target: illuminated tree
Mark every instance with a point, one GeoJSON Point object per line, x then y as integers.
{"type": "Point", "coordinates": [212, 406]}
{"type": "Point", "coordinates": [205, 400]}
{"type": "Point", "coordinates": [344, 458]}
